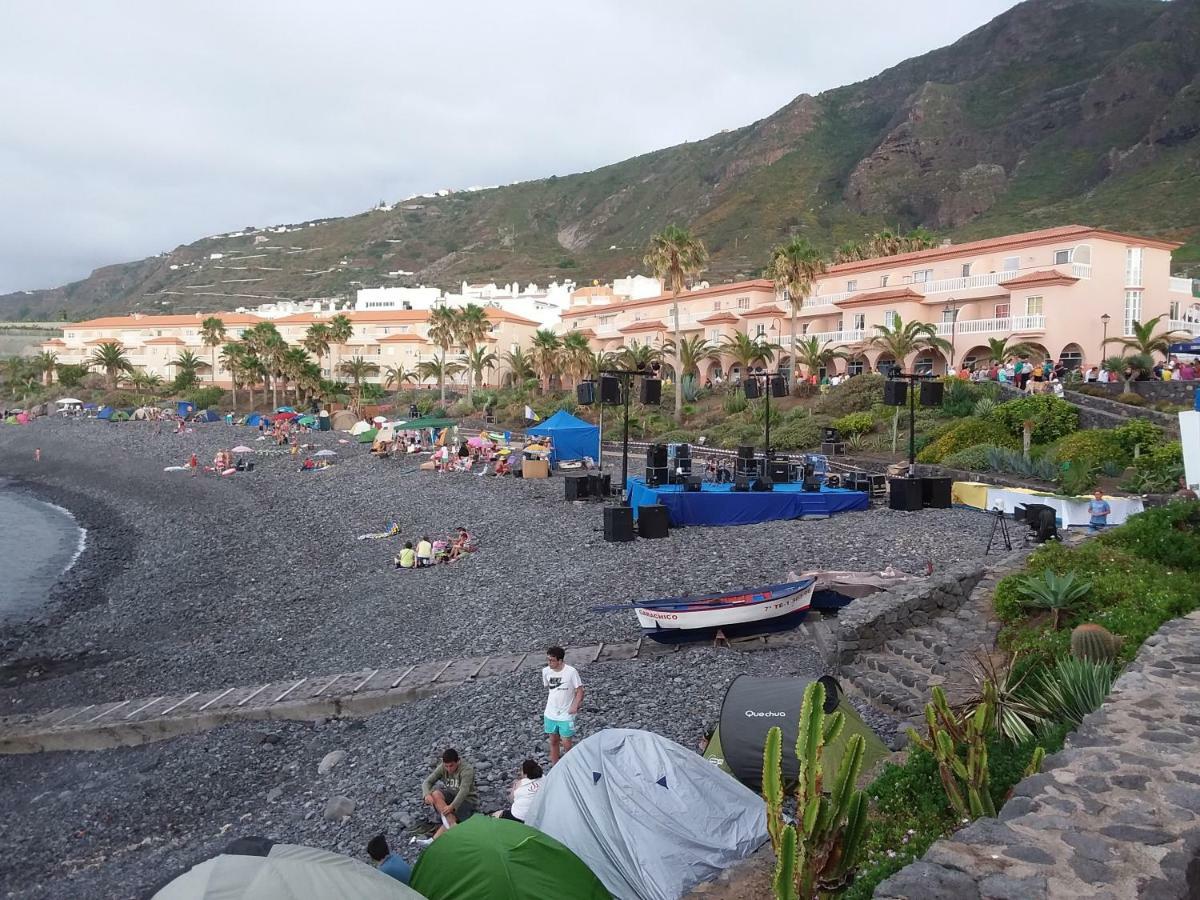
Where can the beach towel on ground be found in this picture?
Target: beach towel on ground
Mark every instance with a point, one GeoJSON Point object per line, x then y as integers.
{"type": "Point", "coordinates": [393, 530]}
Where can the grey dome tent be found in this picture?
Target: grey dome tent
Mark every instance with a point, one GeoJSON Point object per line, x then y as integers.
{"type": "Point", "coordinates": [650, 818]}
{"type": "Point", "coordinates": [753, 705]}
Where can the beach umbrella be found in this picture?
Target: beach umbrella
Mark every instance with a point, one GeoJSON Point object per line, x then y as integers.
{"type": "Point", "coordinates": [474, 442]}
{"type": "Point", "coordinates": [306, 420]}
{"type": "Point", "coordinates": [285, 872]}
{"type": "Point", "coordinates": [360, 427]}
{"type": "Point", "coordinates": [241, 448]}
{"type": "Point", "coordinates": [325, 453]}
{"type": "Point", "coordinates": [285, 409]}
{"type": "Point", "coordinates": [286, 415]}
{"type": "Point", "coordinates": [71, 400]}
{"type": "Point", "coordinates": [379, 420]}
{"type": "Point", "coordinates": [368, 436]}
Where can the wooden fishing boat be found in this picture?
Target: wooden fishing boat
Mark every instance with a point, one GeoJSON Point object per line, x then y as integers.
{"type": "Point", "coordinates": [735, 609]}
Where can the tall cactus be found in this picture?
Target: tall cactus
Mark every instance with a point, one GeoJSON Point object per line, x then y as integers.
{"type": "Point", "coordinates": [965, 781]}
{"type": "Point", "coordinates": [823, 848]}
{"type": "Point", "coordinates": [1095, 643]}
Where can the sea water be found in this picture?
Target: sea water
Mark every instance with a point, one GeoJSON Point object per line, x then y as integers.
{"type": "Point", "coordinates": [38, 543]}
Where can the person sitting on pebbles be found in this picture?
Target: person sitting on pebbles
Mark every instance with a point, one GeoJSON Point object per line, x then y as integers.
{"type": "Point", "coordinates": [522, 792]}
{"type": "Point", "coordinates": [407, 558]}
{"type": "Point", "coordinates": [463, 543]}
{"type": "Point", "coordinates": [454, 778]}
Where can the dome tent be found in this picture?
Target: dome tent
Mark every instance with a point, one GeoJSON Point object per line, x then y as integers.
{"type": "Point", "coordinates": [651, 818]}
{"type": "Point", "coordinates": [571, 437]}
{"type": "Point", "coordinates": [753, 705]}
{"type": "Point", "coordinates": [343, 420]}
{"type": "Point", "coordinates": [498, 859]}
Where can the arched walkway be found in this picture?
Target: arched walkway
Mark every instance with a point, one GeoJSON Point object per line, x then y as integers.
{"type": "Point", "coordinates": [1037, 353]}
{"type": "Point", "coordinates": [1072, 356]}
{"type": "Point", "coordinates": [929, 361]}
{"type": "Point", "coordinates": [977, 356]}
{"type": "Point", "coordinates": [856, 365]}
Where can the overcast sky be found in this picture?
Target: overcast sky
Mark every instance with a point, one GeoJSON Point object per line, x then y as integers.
{"type": "Point", "coordinates": [129, 128]}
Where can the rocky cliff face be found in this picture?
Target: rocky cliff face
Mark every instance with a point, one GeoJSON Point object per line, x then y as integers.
{"type": "Point", "coordinates": [1056, 111]}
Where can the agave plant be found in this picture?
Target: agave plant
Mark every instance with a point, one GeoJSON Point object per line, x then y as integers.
{"type": "Point", "coordinates": [1014, 716]}
{"type": "Point", "coordinates": [1070, 689]}
{"type": "Point", "coordinates": [1054, 592]}
{"type": "Point", "coordinates": [983, 407]}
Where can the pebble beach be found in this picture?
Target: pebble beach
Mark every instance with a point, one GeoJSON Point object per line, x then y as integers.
{"type": "Point", "coordinates": [192, 583]}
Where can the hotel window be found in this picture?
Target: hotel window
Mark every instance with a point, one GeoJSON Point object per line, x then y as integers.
{"type": "Point", "coordinates": [852, 284]}
{"type": "Point", "coordinates": [841, 325]}
{"type": "Point", "coordinates": [922, 275]}
{"type": "Point", "coordinates": [1033, 306]}
{"type": "Point", "coordinates": [1133, 310]}
{"type": "Point", "coordinates": [1133, 266]}
{"type": "Point", "coordinates": [760, 330]}
{"type": "Point", "coordinates": [804, 328]}
{"type": "Point", "coordinates": [1002, 311]}
{"type": "Point", "coordinates": [860, 321]}
{"type": "Point", "coordinates": [717, 305]}
{"type": "Point", "coordinates": [1062, 257]}
{"type": "Point", "coordinates": [883, 280]}
{"type": "Point", "coordinates": [889, 317]}
{"type": "Point", "coordinates": [743, 302]}
{"type": "Point", "coordinates": [714, 335]}
{"type": "Point", "coordinates": [966, 270]}
{"type": "Point", "coordinates": [1012, 263]}
{"type": "Point", "coordinates": [949, 315]}
{"type": "Point", "coordinates": [1173, 314]}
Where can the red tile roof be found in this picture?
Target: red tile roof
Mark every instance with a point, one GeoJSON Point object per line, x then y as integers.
{"type": "Point", "coordinates": [1044, 278]}
{"type": "Point", "coordinates": [721, 318]}
{"type": "Point", "coordinates": [141, 320]}
{"type": "Point", "coordinates": [645, 325]}
{"type": "Point", "coordinates": [759, 311]}
{"type": "Point", "coordinates": [897, 293]}
{"type": "Point", "coordinates": [718, 290]}
{"type": "Point", "coordinates": [161, 340]}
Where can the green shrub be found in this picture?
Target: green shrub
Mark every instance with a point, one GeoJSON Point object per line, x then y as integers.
{"type": "Point", "coordinates": [798, 434]}
{"type": "Point", "coordinates": [70, 376]}
{"type": "Point", "coordinates": [1129, 398]}
{"type": "Point", "coordinates": [1138, 433]}
{"type": "Point", "coordinates": [1078, 477]}
{"type": "Point", "coordinates": [971, 459]}
{"type": "Point", "coordinates": [961, 396]}
{"type": "Point", "coordinates": [204, 398]}
{"type": "Point", "coordinates": [1159, 470]}
{"type": "Point", "coordinates": [1097, 446]}
{"type": "Point", "coordinates": [1002, 459]}
{"type": "Point", "coordinates": [1052, 418]}
{"type": "Point", "coordinates": [677, 436]}
{"type": "Point", "coordinates": [857, 394]}
{"type": "Point", "coordinates": [965, 433]}
{"type": "Point", "coordinates": [735, 434]}
{"type": "Point", "coordinates": [735, 402]}
{"type": "Point", "coordinates": [854, 423]}
{"type": "Point", "coordinates": [983, 407]}
{"type": "Point", "coordinates": [1169, 535]}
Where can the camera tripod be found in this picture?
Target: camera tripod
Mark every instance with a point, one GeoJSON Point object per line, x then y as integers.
{"type": "Point", "coordinates": [999, 527]}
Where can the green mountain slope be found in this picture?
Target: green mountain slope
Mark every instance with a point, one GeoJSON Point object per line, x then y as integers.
{"type": "Point", "coordinates": [1057, 111]}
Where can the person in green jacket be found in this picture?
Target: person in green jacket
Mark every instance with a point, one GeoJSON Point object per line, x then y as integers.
{"type": "Point", "coordinates": [454, 778]}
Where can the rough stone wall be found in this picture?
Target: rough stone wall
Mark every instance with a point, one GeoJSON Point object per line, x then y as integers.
{"type": "Point", "coordinates": [1172, 391]}
{"type": "Point", "coordinates": [1115, 814]}
{"type": "Point", "coordinates": [870, 621]}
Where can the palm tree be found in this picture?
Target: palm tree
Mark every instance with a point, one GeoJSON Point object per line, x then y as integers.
{"type": "Point", "coordinates": [546, 354]}
{"type": "Point", "coordinates": [309, 380]}
{"type": "Point", "coordinates": [576, 355]}
{"type": "Point", "coordinates": [212, 335]}
{"type": "Point", "coordinates": [746, 350]}
{"type": "Point", "coordinates": [1145, 342]}
{"type": "Point", "coordinates": [475, 362]}
{"type": "Point", "coordinates": [470, 328]}
{"type": "Point", "coordinates": [674, 255]}
{"type": "Point", "coordinates": [1001, 351]}
{"type": "Point", "coordinates": [1127, 368]}
{"type": "Point", "coordinates": [397, 375]}
{"type": "Point", "coordinates": [254, 370]}
{"type": "Point", "coordinates": [439, 368]}
{"type": "Point", "coordinates": [233, 361]}
{"type": "Point", "coordinates": [443, 331]}
{"type": "Point", "coordinates": [316, 341]}
{"type": "Point", "coordinates": [815, 355]}
{"type": "Point", "coordinates": [886, 243]}
{"type": "Point", "coordinates": [599, 361]}
{"type": "Point", "coordinates": [356, 369]}
{"type": "Point", "coordinates": [691, 353]}
{"type": "Point", "coordinates": [45, 364]}
{"type": "Point", "coordinates": [339, 330]}
{"type": "Point", "coordinates": [794, 268]}
{"type": "Point", "coordinates": [292, 364]}
{"type": "Point", "coordinates": [110, 357]}
{"type": "Point", "coordinates": [519, 366]}
{"type": "Point", "coordinates": [187, 366]}
{"type": "Point", "coordinates": [904, 338]}
{"type": "Point", "coordinates": [636, 357]}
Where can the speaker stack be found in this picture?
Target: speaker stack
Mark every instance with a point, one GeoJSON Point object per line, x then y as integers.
{"type": "Point", "coordinates": [779, 471]}
{"type": "Point", "coordinates": [653, 521]}
{"type": "Point", "coordinates": [694, 484]}
{"type": "Point", "coordinates": [752, 391]}
{"type": "Point", "coordinates": [657, 472]}
{"type": "Point", "coordinates": [935, 492]}
{"type": "Point", "coordinates": [610, 390]}
{"type": "Point", "coordinates": [618, 523]}
{"type": "Point", "coordinates": [747, 465]}
{"type": "Point", "coordinates": [679, 458]}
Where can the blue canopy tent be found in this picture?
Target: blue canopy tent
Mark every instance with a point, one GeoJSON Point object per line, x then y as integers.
{"type": "Point", "coordinates": [105, 413]}
{"type": "Point", "coordinates": [184, 408]}
{"type": "Point", "coordinates": [572, 438]}
{"type": "Point", "coordinates": [254, 418]}
{"type": "Point", "coordinates": [1192, 347]}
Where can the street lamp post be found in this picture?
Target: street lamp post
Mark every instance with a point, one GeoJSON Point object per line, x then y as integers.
{"type": "Point", "coordinates": [1104, 343]}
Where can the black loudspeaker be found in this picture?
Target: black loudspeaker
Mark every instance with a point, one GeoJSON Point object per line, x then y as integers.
{"type": "Point", "coordinates": [905, 494]}
{"type": "Point", "coordinates": [741, 483]}
{"type": "Point", "coordinates": [576, 487]}
{"type": "Point", "coordinates": [683, 458]}
{"type": "Point", "coordinates": [778, 386]}
{"type": "Point", "coordinates": [413, 412]}
{"type": "Point", "coordinates": [935, 492]}
{"type": "Point", "coordinates": [895, 393]}
{"type": "Point", "coordinates": [932, 393]}
{"type": "Point", "coordinates": [618, 523]}
{"type": "Point", "coordinates": [812, 485]}
{"type": "Point", "coordinates": [651, 391]}
{"type": "Point", "coordinates": [779, 471]}
{"type": "Point", "coordinates": [745, 452]}
{"type": "Point", "coordinates": [656, 465]}
{"type": "Point", "coordinates": [610, 390]}
{"type": "Point", "coordinates": [831, 436]}
{"type": "Point", "coordinates": [752, 391]}
{"type": "Point", "coordinates": [585, 393]}
{"type": "Point", "coordinates": [605, 485]}
{"type": "Point", "coordinates": [763, 485]}
{"type": "Point", "coordinates": [694, 484]}
{"type": "Point", "coordinates": [653, 521]}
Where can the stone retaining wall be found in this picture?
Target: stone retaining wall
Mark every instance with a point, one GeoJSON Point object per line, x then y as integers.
{"type": "Point", "coordinates": [1115, 814]}
{"type": "Point", "coordinates": [870, 621]}
{"type": "Point", "coordinates": [1171, 391]}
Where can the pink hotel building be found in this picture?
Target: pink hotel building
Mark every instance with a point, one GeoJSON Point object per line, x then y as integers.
{"type": "Point", "coordinates": [1061, 290]}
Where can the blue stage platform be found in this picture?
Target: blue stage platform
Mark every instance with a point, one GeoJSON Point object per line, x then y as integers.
{"type": "Point", "coordinates": [719, 504]}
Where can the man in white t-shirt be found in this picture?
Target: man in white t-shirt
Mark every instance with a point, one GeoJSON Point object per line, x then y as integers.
{"type": "Point", "coordinates": [563, 702]}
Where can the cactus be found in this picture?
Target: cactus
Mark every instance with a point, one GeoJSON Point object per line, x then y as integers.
{"type": "Point", "coordinates": [964, 781]}
{"type": "Point", "coordinates": [1035, 761]}
{"type": "Point", "coordinates": [1095, 643]}
{"type": "Point", "coordinates": [821, 851]}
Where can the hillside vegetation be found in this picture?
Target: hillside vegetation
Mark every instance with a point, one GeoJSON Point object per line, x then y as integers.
{"type": "Point", "coordinates": [1056, 112]}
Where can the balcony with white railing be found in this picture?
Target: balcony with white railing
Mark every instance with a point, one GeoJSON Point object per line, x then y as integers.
{"type": "Point", "coordinates": [1081, 270]}
{"type": "Point", "coordinates": [835, 337]}
{"type": "Point", "coordinates": [1181, 285]}
{"type": "Point", "coordinates": [1182, 326]}
{"type": "Point", "coordinates": [973, 326]}
{"type": "Point", "coordinates": [1028, 323]}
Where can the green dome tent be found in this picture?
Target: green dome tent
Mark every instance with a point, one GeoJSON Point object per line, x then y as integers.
{"type": "Point", "coordinates": [498, 859]}
{"type": "Point", "coordinates": [752, 705]}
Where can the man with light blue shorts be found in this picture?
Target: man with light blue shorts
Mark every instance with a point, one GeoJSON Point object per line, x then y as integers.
{"type": "Point", "coordinates": [563, 702]}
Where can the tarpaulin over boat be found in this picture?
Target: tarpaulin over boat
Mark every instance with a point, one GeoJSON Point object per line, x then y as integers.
{"type": "Point", "coordinates": [651, 818]}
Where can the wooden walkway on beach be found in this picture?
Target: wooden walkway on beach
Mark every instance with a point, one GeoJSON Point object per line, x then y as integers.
{"type": "Point", "coordinates": [118, 723]}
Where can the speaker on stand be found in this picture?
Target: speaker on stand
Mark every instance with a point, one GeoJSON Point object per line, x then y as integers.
{"type": "Point", "coordinates": [585, 393]}
{"type": "Point", "coordinates": [932, 393]}
{"type": "Point", "coordinates": [656, 465]}
{"type": "Point", "coordinates": [651, 391]}
{"type": "Point", "coordinates": [895, 393]}
{"type": "Point", "coordinates": [610, 390]}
